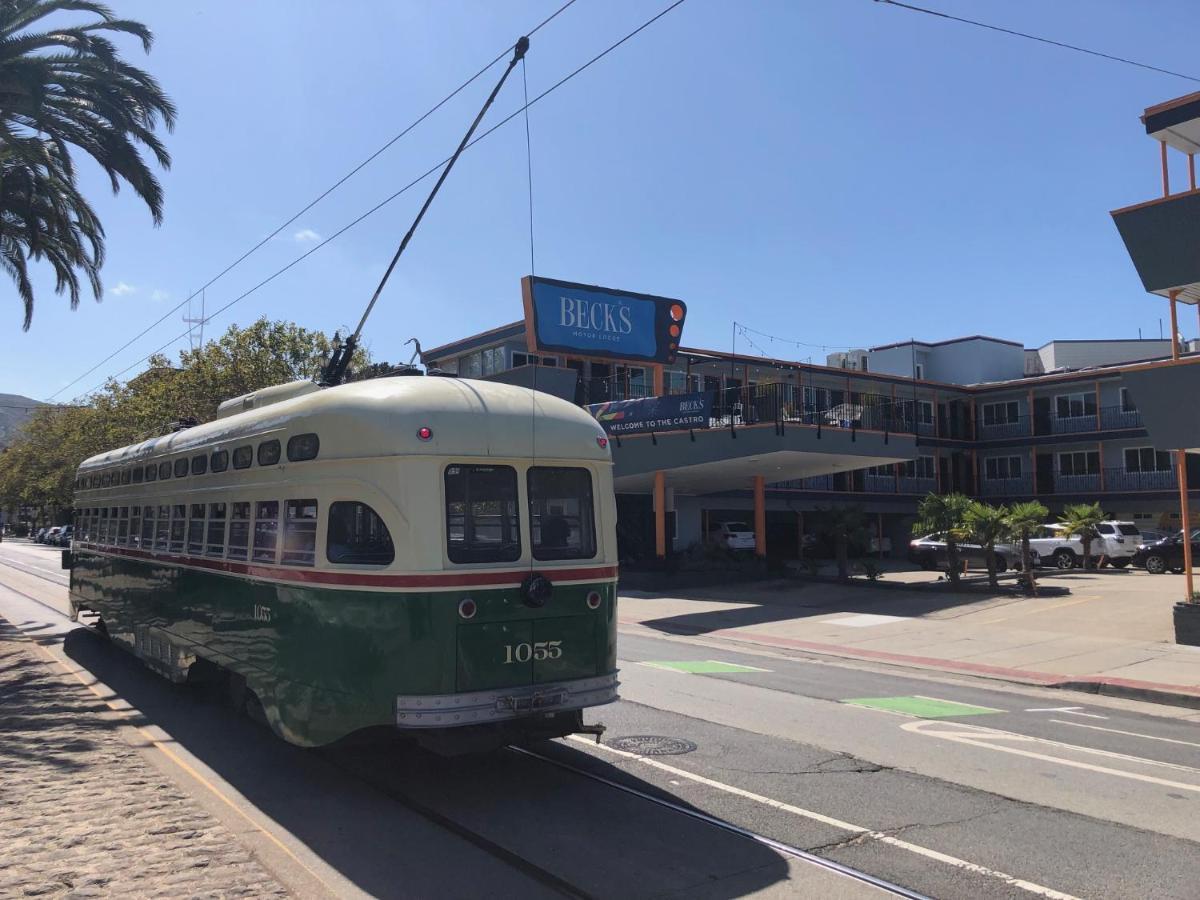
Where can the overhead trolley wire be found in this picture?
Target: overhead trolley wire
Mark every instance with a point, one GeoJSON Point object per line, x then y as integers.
{"type": "Point", "coordinates": [407, 187]}
{"type": "Point", "coordinates": [1042, 40]}
{"type": "Point", "coordinates": [325, 193]}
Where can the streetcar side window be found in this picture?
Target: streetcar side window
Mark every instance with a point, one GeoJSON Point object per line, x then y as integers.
{"type": "Point", "coordinates": [300, 533]}
{"type": "Point", "coordinates": [216, 529]}
{"type": "Point", "coordinates": [103, 526]}
{"type": "Point", "coordinates": [482, 523]}
{"type": "Point", "coordinates": [239, 527]}
{"type": "Point", "coordinates": [562, 523]}
{"type": "Point", "coordinates": [268, 453]}
{"type": "Point", "coordinates": [162, 527]}
{"type": "Point", "coordinates": [164, 470]}
{"type": "Point", "coordinates": [138, 474]}
{"type": "Point", "coordinates": [195, 538]}
{"type": "Point", "coordinates": [135, 523]}
{"type": "Point", "coordinates": [178, 526]}
{"type": "Point", "coordinates": [199, 464]}
{"type": "Point", "coordinates": [266, 530]}
{"type": "Point", "coordinates": [126, 475]}
{"type": "Point", "coordinates": [242, 457]}
{"type": "Point", "coordinates": [151, 472]}
{"type": "Point", "coordinates": [181, 467]}
{"type": "Point", "coordinates": [123, 526]}
{"type": "Point", "coordinates": [302, 446]}
{"type": "Point", "coordinates": [357, 536]}
{"type": "Point", "coordinates": [147, 527]}
{"type": "Point", "coordinates": [219, 461]}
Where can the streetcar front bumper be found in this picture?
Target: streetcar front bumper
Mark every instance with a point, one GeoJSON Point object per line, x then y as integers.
{"type": "Point", "coordinates": [503, 704]}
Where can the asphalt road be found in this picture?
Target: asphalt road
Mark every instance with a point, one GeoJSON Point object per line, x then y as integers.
{"type": "Point", "coordinates": [948, 786]}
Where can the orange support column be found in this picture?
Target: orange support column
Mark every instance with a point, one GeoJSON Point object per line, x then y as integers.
{"type": "Point", "coordinates": [760, 517]}
{"type": "Point", "coordinates": [659, 381]}
{"type": "Point", "coordinates": [1186, 519]}
{"type": "Point", "coordinates": [660, 515]}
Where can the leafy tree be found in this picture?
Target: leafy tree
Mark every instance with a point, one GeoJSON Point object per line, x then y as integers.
{"type": "Point", "coordinates": [1023, 520]}
{"type": "Point", "coordinates": [65, 86]}
{"type": "Point", "coordinates": [1082, 519]}
{"type": "Point", "coordinates": [987, 525]}
{"type": "Point", "coordinates": [844, 524]}
{"type": "Point", "coordinates": [944, 514]}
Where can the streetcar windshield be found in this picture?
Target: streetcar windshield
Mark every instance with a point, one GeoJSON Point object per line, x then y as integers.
{"type": "Point", "coordinates": [481, 514]}
{"type": "Point", "coordinates": [561, 522]}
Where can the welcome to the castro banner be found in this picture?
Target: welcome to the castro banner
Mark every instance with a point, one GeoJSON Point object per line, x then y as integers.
{"type": "Point", "coordinates": [670, 413]}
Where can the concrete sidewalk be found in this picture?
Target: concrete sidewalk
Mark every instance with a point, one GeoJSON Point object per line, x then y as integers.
{"type": "Point", "coordinates": [1110, 634]}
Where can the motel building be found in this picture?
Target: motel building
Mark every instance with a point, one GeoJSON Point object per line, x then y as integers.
{"type": "Point", "coordinates": [778, 443]}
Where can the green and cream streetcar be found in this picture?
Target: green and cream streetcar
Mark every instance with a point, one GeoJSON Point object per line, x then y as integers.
{"type": "Point", "coordinates": [433, 554]}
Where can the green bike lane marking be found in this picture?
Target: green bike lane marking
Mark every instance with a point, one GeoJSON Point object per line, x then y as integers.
{"type": "Point", "coordinates": [922, 707]}
{"type": "Point", "coordinates": [701, 666]}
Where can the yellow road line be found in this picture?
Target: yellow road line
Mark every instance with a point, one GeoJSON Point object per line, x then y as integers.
{"type": "Point", "coordinates": [1030, 612]}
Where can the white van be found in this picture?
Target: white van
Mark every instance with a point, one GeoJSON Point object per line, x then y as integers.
{"type": "Point", "coordinates": [1117, 541]}
{"type": "Point", "coordinates": [733, 535]}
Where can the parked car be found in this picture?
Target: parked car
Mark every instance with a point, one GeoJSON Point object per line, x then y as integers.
{"type": "Point", "coordinates": [63, 539]}
{"type": "Point", "coordinates": [1056, 547]}
{"type": "Point", "coordinates": [1166, 555]}
{"type": "Point", "coordinates": [1118, 542]}
{"type": "Point", "coordinates": [1153, 535]}
{"type": "Point", "coordinates": [929, 552]}
{"type": "Point", "coordinates": [733, 535]}
{"type": "Point", "coordinates": [40, 537]}
{"type": "Point", "coordinates": [51, 535]}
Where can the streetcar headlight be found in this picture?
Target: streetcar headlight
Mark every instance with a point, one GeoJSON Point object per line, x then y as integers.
{"type": "Point", "coordinates": [602, 442]}
{"type": "Point", "coordinates": [467, 608]}
{"type": "Point", "coordinates": [593, 600]}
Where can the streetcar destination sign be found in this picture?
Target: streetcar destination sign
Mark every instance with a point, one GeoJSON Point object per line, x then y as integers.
{"type": "Point", "coordinates": [601, 322]}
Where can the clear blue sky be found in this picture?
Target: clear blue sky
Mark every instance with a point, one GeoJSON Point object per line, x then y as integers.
{"type": "Point", "coordinates": [838, 172]}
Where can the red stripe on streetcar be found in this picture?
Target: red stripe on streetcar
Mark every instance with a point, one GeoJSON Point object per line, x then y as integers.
{"type": "Point", "coordinates": [362, 579]}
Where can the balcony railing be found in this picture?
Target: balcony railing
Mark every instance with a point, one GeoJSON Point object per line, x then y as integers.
{"type": "Point", "coordinates": [997, 430]}
{"type": "Point", "coordinates": [1122, 480]}
{"type": "Point", "coordinates": [909, 485]}
{"type": "Point", "coordinates": [879, 484]}
{"type": "Point", "coordinates": [1116, 417]}
{"type": "Point", "coordinates": [1074, 484]}
{"type": "Point", "coordinates": [1007, 487]}
{"type": "Point", "coordinates": [1111, 418]}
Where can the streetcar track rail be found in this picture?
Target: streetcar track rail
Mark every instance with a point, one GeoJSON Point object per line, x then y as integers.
{"type": "Point", "coordinates": [778, 846]}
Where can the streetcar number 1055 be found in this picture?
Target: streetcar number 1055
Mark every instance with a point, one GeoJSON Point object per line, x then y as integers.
{"type": "Point", "coordinates": [522, 653]}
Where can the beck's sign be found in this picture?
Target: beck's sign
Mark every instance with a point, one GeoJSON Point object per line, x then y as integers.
{"type": "Point", "coordinates": [599, 322]}
{"type": "Point", "coordinates": [669, 413]}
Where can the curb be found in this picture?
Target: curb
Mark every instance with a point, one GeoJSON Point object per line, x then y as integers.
{"type": "Point", "coordinates": [1129, 689]}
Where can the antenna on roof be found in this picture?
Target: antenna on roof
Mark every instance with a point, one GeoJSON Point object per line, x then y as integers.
{"type": "Point", "coordinates": [335, 371]}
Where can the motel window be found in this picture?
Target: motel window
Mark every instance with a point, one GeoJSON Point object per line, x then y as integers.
{"type": "Point", "coordinates": [162, 527]}
{"type": "Point", "coordinates": [215, 545]}
{"type": "Point", "coordinates": [925, 412]}
{"type": "Point", "coordinates": [528, 359]}
{"type": "Point", "coordinates": [181, 467]}
{"type": "Point", "coordinates": [195, 534]}
{"type": "Point", "coordinates": [266, 529]}
{"type": "Point", "coordinates": [138, 474]}
{"type": "Point", "coordinates": [239, 528]}
{"type": "Point", "coordinates": [470, 366]}
{"type": "Point", "coordinates": [999, 468]}
{"type": "Point", "coordinates": [199, 464]}
{"type": "Point", "coordinates": [357, 535]}
{"type": "Point", "coordinates": [1127, 404]}
{"type": "Point", "coordinates": [135, 524]}
{"type": "Point", "coordinates": [884, 471]}
{"type": "Point", "coordinates": [219, 461]}
{"type": "Point", "coordinates": [302, 446]}
{"type": "Point", "coordinates": [242, 457]}
{"type": "Point", "coordinates": [151, 472]}
{"type": "Point", "coordinates": [921, 467]}
{"type": "Point", "coordinates": [562, 522]}
{"type": "Point", "coordinates": [268, 453]}
{"type": "Point", "coordinates": [481, 514]}
{"type": "Point", "coordinates": [147, 527]}
{"type": "Point", "coordinates": [919, 371]}
{"type": "Point", "coordinates": [300, 533]}
{"type": "Point", "coordinates": [178, 527]}
{"type": "Point", "coordinates": [1080, 462]}
{"type": "Point", "coordinates": [1004, 413]}
{"type": "Point", "coordinates": [123, 526]}
{"type": "Point", "coordinates": [1074, 406]}
{"type": "Point", "coordinates": [1147, 459]}
{"type": "Point", "coordinates": [164, 470]}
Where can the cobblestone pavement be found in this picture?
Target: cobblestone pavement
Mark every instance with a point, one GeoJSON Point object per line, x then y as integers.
{"type": "Point", "coordinates": [83, 814]}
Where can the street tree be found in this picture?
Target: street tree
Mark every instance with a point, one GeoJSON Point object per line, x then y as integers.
{"type": "Point", "coordinates": [1023, 520]}
{"type": "Point", "coordinates": [64, 87]}
{"type": "Point", "coordinates": [1082, 519]}
{"type": "Point", "coordinates": [945, 516]}
{"type": "Point", "coordinates": [987, 525]}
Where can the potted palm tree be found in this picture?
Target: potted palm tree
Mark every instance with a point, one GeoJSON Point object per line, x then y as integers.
{"type": "Point", "coordinates": [1082, 519]}
{"type": "Point", "coordinates": [1023, 520]}
{"type": "Point", "coordinates": [987, 525]}
{"type": "Point", "coordinates": [944, 514]}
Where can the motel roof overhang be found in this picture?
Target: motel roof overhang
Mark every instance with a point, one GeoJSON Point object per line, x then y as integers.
{"type": "Point", "coordinates": [720, 459]}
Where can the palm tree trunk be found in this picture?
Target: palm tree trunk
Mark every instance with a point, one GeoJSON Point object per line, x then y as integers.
{"type": "Point", "coordinates": [1026, 564]}
{"type": "Point", "coordinates": [991, 567]}
{"type": "Point", "coordinates": [952, 560]}
{"type": "Point", "coordinates": [1087, 553]}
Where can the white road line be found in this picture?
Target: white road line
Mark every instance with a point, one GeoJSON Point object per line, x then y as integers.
{"type": "Point", "coordinates": [1071, 712]}
{"type": "Point", "coordinates": [18, 564]}
{"type": "Point", "coordinates": [1149, 737]}
{"type": "Point", "coordinates": [958, 703]}
{"type": "Point", "coordinates": [1031, 887]}
{"type": "Point", "coordinates": [1054, 709]}
{"type": "Point", "coordinates": [977, 738]}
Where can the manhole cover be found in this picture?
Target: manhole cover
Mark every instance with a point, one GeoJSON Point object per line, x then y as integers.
{"type": "Point", "coordinates": [652, 745]}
